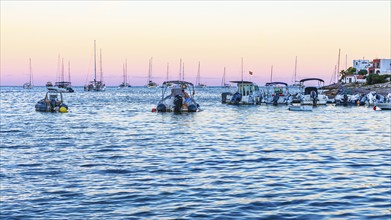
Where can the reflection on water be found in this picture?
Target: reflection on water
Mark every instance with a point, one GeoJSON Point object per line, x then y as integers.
{"type": "Point", "coordinates": [111, 157]}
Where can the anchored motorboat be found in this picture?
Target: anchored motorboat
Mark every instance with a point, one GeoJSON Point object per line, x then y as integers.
{"type": "Point", "coordinates": [247, 94]}
{"type": "Point", "coordinates": [277, 93]}
{"type": "Point", "coordinates": [52, 102]}
{"type": "Point", "coordinates": [386, 105]}
{"type": "Point", "coordinates": [181, 98]}
{"type": "Point", "coordinates": [313, 95]}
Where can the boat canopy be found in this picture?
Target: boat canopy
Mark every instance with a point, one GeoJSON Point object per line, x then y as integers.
{"type": "Point", "coordinates": [276, 83]}
{"type": "Point", "coordinates": [178, 82]}
{"type": "Point", "coordinates": [242, 82]}
{"type": "Point", "coordinates": [309, 79]}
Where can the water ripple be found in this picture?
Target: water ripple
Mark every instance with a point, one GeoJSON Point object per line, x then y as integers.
{"type": "Point", "coordinates": [110, 157]}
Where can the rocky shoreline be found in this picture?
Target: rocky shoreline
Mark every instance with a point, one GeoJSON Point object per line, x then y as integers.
{"type": "Point", "coordinates": [355, 88]}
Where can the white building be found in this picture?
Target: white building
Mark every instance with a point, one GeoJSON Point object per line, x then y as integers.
{"type": "Point", "coordinates": [385, 66]}
{"type": "Point", "coordinates": [361, 65]}
{"type": "Point", "coordinates": [380, 66]}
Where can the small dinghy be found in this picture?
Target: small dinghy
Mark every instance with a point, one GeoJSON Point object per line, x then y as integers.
{"type": "Point", "coordinates": [300, 108]}
{"type": "Point", "coordinates": [53, 102]}
{"type": "Point", "coordinates": [179, 99]}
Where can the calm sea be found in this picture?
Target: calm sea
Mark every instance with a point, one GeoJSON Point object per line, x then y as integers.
{"type": "Point", "coordinates": [110, 157]}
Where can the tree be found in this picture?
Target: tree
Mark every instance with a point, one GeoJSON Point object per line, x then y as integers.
{"type": "Point", "coordinates": [362, 72]}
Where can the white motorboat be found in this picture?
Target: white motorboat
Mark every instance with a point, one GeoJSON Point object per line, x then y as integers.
{"type": "Point", "coordinates": [247, 94]}
{"type": "Point", "coordinates": [276, 93]}
{"type": "Point", "coordinates": [313, 95]}
{"type": "Point", "coordinates": [181, 98]}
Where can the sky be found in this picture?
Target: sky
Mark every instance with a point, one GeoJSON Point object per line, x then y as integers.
{"type": "Point", "coordinates": [217, 34]}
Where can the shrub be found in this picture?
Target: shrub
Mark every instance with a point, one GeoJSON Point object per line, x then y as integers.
{"type": "Point", "coordinates": [376, 78]}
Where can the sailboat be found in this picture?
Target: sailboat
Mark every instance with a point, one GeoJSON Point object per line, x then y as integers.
{"type": "Point", "coordinates": [150, 83]}
{"type": "Point", "coordinates": [65, 86]}
{"type": "Point", "coordinates": [125, 83]}
{"type": "Point", "coordinates": [96, 85]}
{"type": "Point", "coordinates": [168, 84]}
{"type": "Point", "coordinates": [198, 79]}
{"type": "Point", "coordinates": [223, 83]}
{"type": "Point", "coordinates": [29, 85]}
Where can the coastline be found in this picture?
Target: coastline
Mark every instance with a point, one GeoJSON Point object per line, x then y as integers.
{"type": "Point", "coordinates": [354, 88]}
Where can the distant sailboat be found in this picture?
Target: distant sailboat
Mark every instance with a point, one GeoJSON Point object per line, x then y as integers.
{"type": "Point", "coordinates": [150, 83]}
{"type": "Point", "coordinates": [198, 79]}
{"type": "Point", "coordinates": [167, 84]}
{"type": "Point", "coordinates": [62, 84]}
{"type": "Point", "coordinates": [29, 85]}
{"type": "Point", "coordinates": [223, 84]}
{"type": "Point", "coordinates": [96, 85]}
{"type": "Point", "coordinates": [125, 83]}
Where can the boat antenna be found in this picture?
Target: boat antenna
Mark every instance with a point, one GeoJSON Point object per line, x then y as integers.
{"type": "Point", "coordinates": [339, 56]}
{"type": "Point", "coordinates": [126, 71]}
{"type": "Point", "coordinates": [94, 60]}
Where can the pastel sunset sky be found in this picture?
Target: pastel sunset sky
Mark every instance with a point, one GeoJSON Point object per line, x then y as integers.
{"type": "Point", "coordinates": [216, 33]}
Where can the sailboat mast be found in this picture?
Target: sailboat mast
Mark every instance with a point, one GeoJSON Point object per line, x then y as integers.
{"type": "Point", "coordinates": [223, 83]}
{"type": "Point", "coordinates": [339, 56]}
{"type": "Point", "coordinates": [100, 64]}
{"type": "Point", "coordinates": [180, 68]}
{"type": "Point", "coordinates": [150, 70]}
{"type": "Point", "coordinates": [58, 73]}
{"type": "Point", "coordinates": [295, 69]}
{"type": "Point", "coordinates": [62, 70]}
{"type": "Point", "coordinates": [271, 74]}
{"type": "Point", "coordinates": [242, 68]}
{"type": "Point", "coordinates": [198, 74]}
{"type": "Point", "coordinates": [126, 71]}
{"type": "Point", "coordinates": [31, 72]}
{"type": "Point", "coordinates": [94, 60]}
{"type": "Point", "coordinates": [123, 73]}
{"type": "Point", "coordinates": [183, 71]}
{"type": "Point", "coordinates": [69, 71]}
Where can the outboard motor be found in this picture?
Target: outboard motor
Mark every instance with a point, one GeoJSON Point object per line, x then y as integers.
{"type": "Point", "coordinates": [314, 96]}
{"type": "Point", "coordinates": [178, 101]}
{"type": "Point", "coordinates": [275, 99]}
{"type": "Point", "coordinates": [161, 108]}
{"type": "Point", "coordinates": [224, 97]}
{"type": "Point", "coordinates": [236, 98]}
{"type": "Point", "coordinates": [345, 100]}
